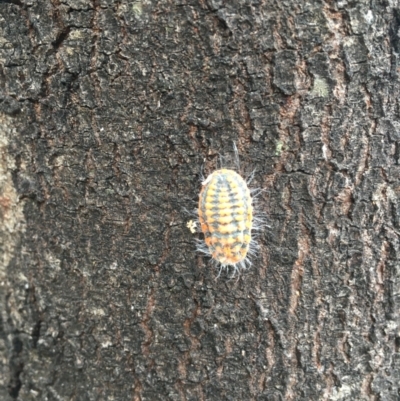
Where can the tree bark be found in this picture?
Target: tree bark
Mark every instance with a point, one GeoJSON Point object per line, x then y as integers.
{"type": "Point", "coordinates": [109, 111]}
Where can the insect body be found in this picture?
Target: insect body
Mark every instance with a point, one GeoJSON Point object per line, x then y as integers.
{"type": "Point", "coordinates": [226, 217]}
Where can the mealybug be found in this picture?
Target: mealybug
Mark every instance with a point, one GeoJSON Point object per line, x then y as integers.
{"type": "Point", "coordinates": [225, 212]}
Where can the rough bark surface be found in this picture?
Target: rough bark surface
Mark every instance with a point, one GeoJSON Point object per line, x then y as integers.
{"type": "Point", "coordinates": [108, 111]}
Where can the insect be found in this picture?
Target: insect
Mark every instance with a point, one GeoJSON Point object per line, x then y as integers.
{"type": "Point", "coordinates": [226, 219]}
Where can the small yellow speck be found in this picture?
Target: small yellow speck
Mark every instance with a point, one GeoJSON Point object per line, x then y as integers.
{"type": "Point", "coordinates": [279, 148]}
{"type": "Point", "coordinates": [137, 8]}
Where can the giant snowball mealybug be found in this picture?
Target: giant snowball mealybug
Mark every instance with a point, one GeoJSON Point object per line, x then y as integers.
{"type": "Point", "coordinates": [226, 218]}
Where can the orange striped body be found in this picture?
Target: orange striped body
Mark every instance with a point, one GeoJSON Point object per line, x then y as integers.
{"type": "Point", "coordinates": [226, 216]}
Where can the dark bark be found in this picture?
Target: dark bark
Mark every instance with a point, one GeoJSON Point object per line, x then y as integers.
{"type": "Point", "coordinates": [109, 110]}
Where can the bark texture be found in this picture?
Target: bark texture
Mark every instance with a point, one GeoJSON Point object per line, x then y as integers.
{"type": "Point", "coordinates": [108, 111]}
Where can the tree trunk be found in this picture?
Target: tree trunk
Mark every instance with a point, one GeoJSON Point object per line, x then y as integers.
{"type": "Point", "coordinates": [110, 110]}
